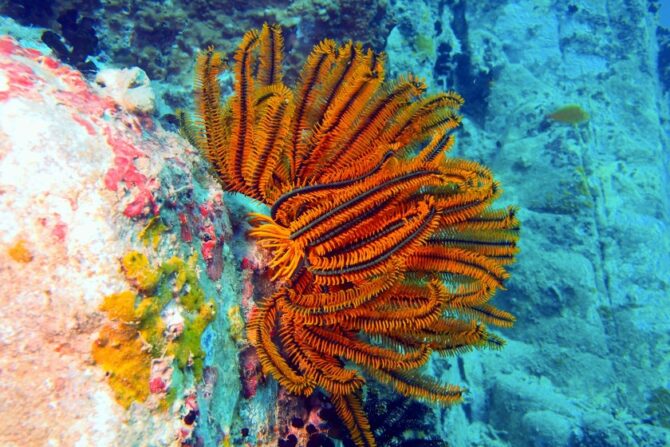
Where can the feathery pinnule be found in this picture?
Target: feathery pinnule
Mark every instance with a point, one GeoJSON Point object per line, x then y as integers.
{"type": "Point", "coordinates": [383, 248]}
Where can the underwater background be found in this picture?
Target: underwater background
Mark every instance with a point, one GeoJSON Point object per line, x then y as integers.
{"type": "Point", "coordinates": [567, 102]}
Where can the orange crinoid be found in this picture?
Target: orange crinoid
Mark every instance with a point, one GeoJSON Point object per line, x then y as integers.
{"type": "Point", "coordinates": [384, 250]}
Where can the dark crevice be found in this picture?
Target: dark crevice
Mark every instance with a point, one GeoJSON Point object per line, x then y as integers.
{"type": "Point", "coordinates": [458, 71]}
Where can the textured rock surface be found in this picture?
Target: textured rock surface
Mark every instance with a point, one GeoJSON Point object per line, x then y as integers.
{"type": "Point", "coordinates": [82, 184]}
{"type": "Point", "coordinates": [591, 285]}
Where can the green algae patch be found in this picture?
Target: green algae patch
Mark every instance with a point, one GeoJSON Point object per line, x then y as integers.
{"type": "Point", "coordinates": [186, 348]}
{"type": "Point", "coordinates": [150, 324]}
{"type": "Point", "coordinates": [152, 232]}
{"type": "Point", "coordinates": [139, 333]}
{"type": "Point", "coordinates": [237, 327]}
{"type": "Point", "coordinates": [139, 273]}
{"type": "Point", "coordinates": [186, 280]}
{"type": "Point", "coordinates": [198, 314]}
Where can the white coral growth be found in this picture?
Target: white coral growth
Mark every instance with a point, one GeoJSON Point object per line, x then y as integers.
{"type": "Point", "coordinates": [130, 88]}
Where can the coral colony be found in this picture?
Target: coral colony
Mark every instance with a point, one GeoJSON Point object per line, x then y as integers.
{"type": "Point", "coordinates": [383, 249]}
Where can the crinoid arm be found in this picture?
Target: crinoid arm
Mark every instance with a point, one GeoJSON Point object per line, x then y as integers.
{"type": "Point", "coordinates": [385, 250]}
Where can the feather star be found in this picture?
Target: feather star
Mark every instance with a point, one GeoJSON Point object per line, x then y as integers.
{"type": "Point", "coordinates": [384, 250]}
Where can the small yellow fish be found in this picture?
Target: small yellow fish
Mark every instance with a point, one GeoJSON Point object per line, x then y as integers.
{"type": "Point", "coordinates": [570, 114]}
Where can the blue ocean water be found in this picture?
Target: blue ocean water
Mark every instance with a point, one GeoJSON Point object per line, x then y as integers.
{"type": "Point", "coordinates": [664, 15]}
{"type": "Point", "coordinates": [568, 103]}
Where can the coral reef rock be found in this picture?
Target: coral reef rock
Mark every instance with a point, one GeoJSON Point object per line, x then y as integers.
{"type": "Point", "coordinates": [130, 88]}
{"type": "Point", "coordinates": [91, 197]}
